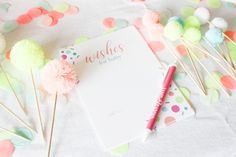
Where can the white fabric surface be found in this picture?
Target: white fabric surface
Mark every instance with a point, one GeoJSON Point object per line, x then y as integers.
{"type": "Point", "coordinates": [210, 134]}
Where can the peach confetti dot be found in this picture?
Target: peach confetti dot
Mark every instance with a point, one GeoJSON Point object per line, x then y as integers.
{"type": "Point", "coordinates": [228, 82]}
{"type": "Point", "coordinates": [72, 10]}
{"type": "Point", "coordinates": [6, 148]}
{"type": "Point", "coordinates": [109, 22]}
{"type": "Point", "coordinates": [181, 49]}
{"type": "Point", "coordinates": [231, 35]}
{"type": "Point", "coordinates": [35, 12]}
{"type": "Point", "coordinates": [24, 19]}
{"type": "Point", "coordinates": [156, 46]}
{"type": "Point", "coordinates": [55, 14]}
{"type": "Point", "coordinates": [49, 21]}
{"type": "Point", "coordinates": [169, 120]}
{"type": "Point", "coordinates": [138, 23]}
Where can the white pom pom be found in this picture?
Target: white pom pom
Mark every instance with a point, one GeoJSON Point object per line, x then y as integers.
{"type": "Point", "coordinates": [2, 43]}
{"type": "Point", "coordinates": [219, 23]}
{"type": "Point", "coordinates": [203, 15]}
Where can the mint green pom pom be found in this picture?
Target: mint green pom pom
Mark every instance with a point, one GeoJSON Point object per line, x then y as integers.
{"type": "Point", "coordinates": [173, 30]}
{"type": "Point", "coordinates": [192, 35]}
{"type": "Point", "coordinates": [192, 21]}
{"type": "Point", "coordinates": [26, 55]}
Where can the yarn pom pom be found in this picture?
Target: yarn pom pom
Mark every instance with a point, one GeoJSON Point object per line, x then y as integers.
{"type": "Point", "coordinates": [192, 35]}
{"type": "Point", "coordinates": [150, 17]}
{"type": "Point", "coordinates": [192, 21]}
{"type": "Point", "coordinates": [26, 55]}
{"type": "Point", "coordinates": [2, 43]}
{"type": "Point", "coordinates": [215, 36]}
{"type": "Point", "coordinates": [178, 19]}
{"type": "Point", "coordinates": [58, 76]}
{"type": "Point", "coordinates": [220, 23]}
{"type": "Point", "coordinates": [203, 15]}
{"type": "Point", "coordinates": [173, 30]}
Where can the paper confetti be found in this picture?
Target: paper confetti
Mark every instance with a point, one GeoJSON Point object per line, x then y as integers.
{"type": "Point", "coordinates": [228, 82]}
{"type": "Point", "coordinates": [62, 7]}
{"type": "Point", "coordinates": [211, 83]}
{"type": "Point", "coordinates": [17, 85]}
{"type": "Point", "coordinates": [121, 150]}
{"type": "Point", "coordinates": [138, 23]}
{"type": "Point", "coordinates": [179, 76]}
{"type": "Point", "coordinates": [6, 148]}
{"type": "Point", "coordinates": [213, 95]}
{"type": "Point", "coordinates": [45, 5]}
{"type": "Point", "coordinates": [156, 46]}
{"type": "Point", "coordinates": [185, 92]}
{"type": "Point", "coordinates": [24, 133]}
{"type": "Point", "coordinates": [181, 49]}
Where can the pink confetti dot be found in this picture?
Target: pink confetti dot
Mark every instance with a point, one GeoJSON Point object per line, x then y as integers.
{"type": "Point", "coordinates": [109, 22]}
{"type": "Point", "coordinates": [169, 120]}
{"type": "Point", "coordinates": [138, 23]}
{"type": "Point", "coordinates": [72, 10]}
{"type": "Point", "coordinates": [6, 148]}
{"type": "Point", "coordinates": [35, 12]}
{"type": "Point", "coordinates": [156, 46]}
{"type": "Point", "coordinates": [49, 21]}
{"type": "Point", "coordinates": [175, 108]}
{"type": "Point", "coordinates": [171, 93]}
{"type": "Point", "coordinates": [228, 82]}
{"type": "Point", "coordinates": [181, 49]}
{"type": "Point", "coordinates": [55, 14]}
{"type": "Point", "coordinates": [24, 19]}
{"type": "Point", "coordinates": [63, 56]}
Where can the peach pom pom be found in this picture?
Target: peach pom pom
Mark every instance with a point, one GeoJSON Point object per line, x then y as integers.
{"type": "Point", "coordinates": [58, 76]}
{"type": "Point", "coordinates": [150, 17]}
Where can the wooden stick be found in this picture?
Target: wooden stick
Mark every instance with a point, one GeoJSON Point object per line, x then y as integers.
{"type": "Point", "coordinates": [17, 117]}
{"type": "Point", "coordinates": [172, 52]}
{"type": "Point", "coordinates": [13, 90]}
{"type": "Point", "coordinates": [216, 81]}
{"type": "Point", "coordinates": [14, 134]}
{"type": "Point", "coordinates": [37, 105]}
{"type": "Point", "coordinates": [52, 125]}
{"type": "Point", "coordinates": [195, 69]}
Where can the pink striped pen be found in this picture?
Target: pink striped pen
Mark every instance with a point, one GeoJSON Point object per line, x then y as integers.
{"type": "Point", "coordinates": [165, 88]}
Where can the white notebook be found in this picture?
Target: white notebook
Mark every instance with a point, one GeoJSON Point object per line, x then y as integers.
{"type": "Point", "coordinates": [120, 81]}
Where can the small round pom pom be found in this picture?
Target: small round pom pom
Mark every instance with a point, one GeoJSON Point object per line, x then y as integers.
{"type": "Point", "coordinates": [203, 15]}
{"type": "Point", "coordinates": [173, 30]}
{"type": "Point", "coordinates": [192, 35]}
{"type": "Point", "coordinates": [26, 55]}
{"type": "Point", "coordinates": [58, 76]}
{"type": "Point", "coordinates": [192, 21]}
{"type": "Point", "coordinates": [215, 36]}
{"type": "Point", "coordinates": [219, 23]}
{"type": "Point", "coordinates": [150, 17]}
{"type": "Point", "coordinates": [2, 43]}
{"type": "Point", "coordinates": [178, 19]}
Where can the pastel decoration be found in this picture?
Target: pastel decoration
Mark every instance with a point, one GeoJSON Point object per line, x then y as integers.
{"type": "Point", "coordinates": [169, 120]}
{"type": "Point", "coordinates": [178, 19]}
{"type": "Point", "coordinates": [24, 133]}
{"type": "Point", "coordinates": [185, 92]}
{"type": "Point", "coordinates": [72, 10]}
{"type": "Point", "coordinates": [192, 21]}
{"type": "Point", "coordinates": [55, 14]}
{"type": "Point", "coordinates": [179, 76]}
{"type": "Point", "coordinates": [155, 31]}
{"type": "Point", "coordinates": [4, 85]}
{"type": "Point", "coordinates": [69, 54]}
{"type": "Point", "coordinates": [173, 30]}
{"type": "Point", "coordinates": [179, 99]}
{"type": "Point", "coordinates": [121, 23]}
{"type": "Point", "coordinates": [24, 19]}
{"type": "Point", "coordinates": [120, 150]}
{"type": "Point", "coordinates": [10, 26]}
{"type": "Point", "coordinates": [228, 82]}
{"type": "Point", "coordinates": [138, 23]}
{"type": "Point", "coordinates": [210, 83]}
{"type": "Point", "coordinates": [181, 49]}
{"type": "Point", "coordinates": [220, 23]}
{"type": "Point", "coordinates": [175, 108]}
{"type": "Point", "coordinates": [45, 5]}
{"type": "Point", "coordinates": [58, 76]}
{"type": "Point", "coordinates": [187, 11]}
{"type": "Point", "coordinates": [164, 109]}
{"type": "Point", "coordinates": [2, 43]}
{"type": "Point", "coordinates": [156, 46]}
{"type": "Point", "coordinates": [49, 21]}
{"type": "Point", "coordinates": [4, 6]}
{"type": "Point", "coordinates": [214, 36]}
{"type": "Point", "coordinates": [35, 12]}
{"type": "Point", "coordinates": [171, 93]}
{"type": "Point", "coordinates": [150, 17]}
{"type": "Point", "coordinates": [233, 56]}
{"type": "Point", "coordinates": [62, 7]}
{"type": "Point", "coordinates": [192, 35]}
{"type": "Point", "coordinates": [203, 15]}
{"type": "Point", "coordinates": [214, 4]}
{"type": "Point", "coordinates": [109, 22]}
{"type": "Point", "coordinates": [27, 54]}
{"type": "Point", "coordinates": [213, 95]}
{"type": "Point", "coordinates": [231, 35]}
{"type": "Point", "coordinates": [81, 40]}
{"type": "Point", "coordinates": [231, 46]}
{"type": "Point", "coordinates": [6, 148]}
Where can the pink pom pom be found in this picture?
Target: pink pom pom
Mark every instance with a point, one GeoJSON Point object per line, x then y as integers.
{"type": "Point", "coordinates": [150, 18]}
{"type": "Point", "coordinates": [58, 76]}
